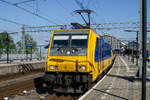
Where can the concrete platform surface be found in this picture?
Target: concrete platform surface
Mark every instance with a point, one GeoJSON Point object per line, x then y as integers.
{"type": "Point", "coordinates": [118, 84]}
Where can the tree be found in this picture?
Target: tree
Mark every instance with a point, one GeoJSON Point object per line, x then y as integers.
{"type": "Point", "coordinates": [3, 43]}
{"type": "Point", "coordinates": [28, 39]}
{"type": "Point", "coordinates": [19, 47]}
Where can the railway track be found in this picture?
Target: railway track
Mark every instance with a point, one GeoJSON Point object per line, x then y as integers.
{"type": "Point", "coordinates": [17, 88]}
{"type": "Point", "coordinates": [13, 90]}
{"type": "Point", "coordinates": [17, 75]}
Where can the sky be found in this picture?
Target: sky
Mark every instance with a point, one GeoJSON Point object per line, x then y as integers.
{"type": "Point", "coordinates": [60, 12]}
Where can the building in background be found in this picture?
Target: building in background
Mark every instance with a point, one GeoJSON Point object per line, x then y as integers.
{"type": "Point", "coordinates": [117, 45]}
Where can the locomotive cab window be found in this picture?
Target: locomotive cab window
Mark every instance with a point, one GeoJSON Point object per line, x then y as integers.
{"type": "Point", "coordinates": [60, 41]}
{"type": "Point", "coordinates": [74, 42]}
{"type": "Point", "coordinates": [79, 41]}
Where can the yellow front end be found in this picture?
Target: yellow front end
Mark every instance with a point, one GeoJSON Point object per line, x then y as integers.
{"type": "Point", "coordinates": [67, 64]}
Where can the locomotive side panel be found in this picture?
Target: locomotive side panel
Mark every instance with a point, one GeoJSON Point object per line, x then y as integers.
{"type": "Point", "coordinates": [91, 53]}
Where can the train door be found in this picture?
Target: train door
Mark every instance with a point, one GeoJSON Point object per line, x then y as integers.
{"type": "Point", "coordinates": [97, 55]}
{"type": "Point", "coordinates": [102, 53]}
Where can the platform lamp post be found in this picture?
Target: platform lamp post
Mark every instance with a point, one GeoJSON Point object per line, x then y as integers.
{"type": "Point", "coordinates": [7, 43]}
{"type": "Point", "coordinates": [137, 32]}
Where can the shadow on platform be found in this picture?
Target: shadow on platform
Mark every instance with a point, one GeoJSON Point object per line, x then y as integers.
{"type": "Point", "coordinates": [111, 94]}
{"type": "Point", "coordinates": [128, 78]}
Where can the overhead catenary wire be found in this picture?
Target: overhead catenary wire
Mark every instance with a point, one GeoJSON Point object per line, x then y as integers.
{"type": "Point", "coordinates": [10, 21]}
{"type": "Point", "coordinates": [80, 4]}
{"type": "Point", "coordinates": [88, 3]}
{"type": "Point", "coordinates": [37, 11]}
{"type": "Point", "coordinates": [84, 5]}
{"type": "Point", "coordinates": [37, 6]}
{"type": "Point", "coordinates": [22, 2]}
{"type": "Point", "coordinates": [111, 25]}
{"type": "Point", "coordinates": [99, 27]}
{"type": "Point", "coordinates": [28, 11]}
{"type": "Point", "coordinates": [58, 2]}
{"type": "Point", "coordinates": [61, 5]}
{"type": "Point", "coordinates": [99, 11]}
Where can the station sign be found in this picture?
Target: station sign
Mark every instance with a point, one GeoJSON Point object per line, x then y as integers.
{"type": "Point", "coordinates": [29, 45]}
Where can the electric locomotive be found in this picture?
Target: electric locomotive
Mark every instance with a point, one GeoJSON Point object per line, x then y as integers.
{"type": "Point", "coordinates": [76, 58]}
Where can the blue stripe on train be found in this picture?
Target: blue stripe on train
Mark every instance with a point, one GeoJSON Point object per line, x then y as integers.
{"type": "Point", "coordinates": [102, 51]}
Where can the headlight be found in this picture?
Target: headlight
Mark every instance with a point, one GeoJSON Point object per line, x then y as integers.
{"type": "Point", "coordinates": [68, 52]}
{"type": "Point", "coordinates": [81, 67]}
{"type": "Point", "coordinates": [53, 67]}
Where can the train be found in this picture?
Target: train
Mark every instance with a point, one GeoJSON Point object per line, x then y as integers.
{"type": "Point", "coordinates": [76, 58]}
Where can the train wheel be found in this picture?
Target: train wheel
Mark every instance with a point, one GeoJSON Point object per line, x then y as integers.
{"type": "Point", "coordinates": [38, 82]}
{"type": "Point", "coordinates": [87, 85]}
{"type": "Point", "coordinates": [41, 90]}
{"type": "Point", "coordinates": [89, 81]}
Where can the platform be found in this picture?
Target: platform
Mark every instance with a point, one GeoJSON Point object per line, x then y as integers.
{"type": "Point", "coordinates": [118, 84]}
{"type": "Point", "coordinates": [20, 67]}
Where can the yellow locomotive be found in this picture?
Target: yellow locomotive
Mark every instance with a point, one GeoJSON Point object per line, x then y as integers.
{"type": "Point", "coordinates": [76, 58]}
